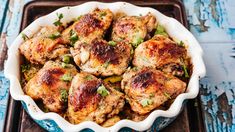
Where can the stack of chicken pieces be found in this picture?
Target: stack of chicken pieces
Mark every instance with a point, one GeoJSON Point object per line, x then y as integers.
{"type": "Point", "coordinates": [76, 61]}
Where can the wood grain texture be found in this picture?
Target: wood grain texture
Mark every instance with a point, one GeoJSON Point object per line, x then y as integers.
{"type": "Point", "coordinates": [213, 24]}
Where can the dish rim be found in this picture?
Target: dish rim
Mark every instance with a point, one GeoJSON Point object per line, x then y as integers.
{"type": "Point", "coordinates": [171, 25]}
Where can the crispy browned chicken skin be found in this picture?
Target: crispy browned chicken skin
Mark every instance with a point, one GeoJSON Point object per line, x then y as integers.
{"type": "Point", "coordinates": [86, 104]}
{"type": "Point", "coordinates": [133, 29]}
{"type": "Point", "coordinates": [162, 53]}
{"type": "Point", "coordinates": [44, 46]}
{"type": "Point", "coordinates": [146, 88]}
{"type": "Point", "coordinates": [51, 85]}
{"type": "Point", "coordinates": [89, 26]}
{"type": "Point", "coordinates": [101, 58]}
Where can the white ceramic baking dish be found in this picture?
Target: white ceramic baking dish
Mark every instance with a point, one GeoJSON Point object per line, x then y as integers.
{"type": "Point", "coordinates": [177, 31]}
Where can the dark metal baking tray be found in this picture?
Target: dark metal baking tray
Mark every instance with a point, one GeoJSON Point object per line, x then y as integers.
{"type": "Point", "coordinates": [18, 120]}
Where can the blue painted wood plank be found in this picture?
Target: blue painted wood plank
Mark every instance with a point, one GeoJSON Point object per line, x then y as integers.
{"type": "Point", "coordinates": [3, 10]}
{"type": "Point", "coordinates": [213, 24]}
{"type": "Point", "coordinates": [218, 87]}
{"type": "Point", "coordinates": [10, 28]}
{"type": "Point", "coordinates": [212, 20]}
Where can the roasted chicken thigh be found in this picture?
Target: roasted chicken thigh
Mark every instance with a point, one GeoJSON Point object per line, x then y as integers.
{"type": "Point", "coordinates": [162, 53]}
{"type": "Point", "coordinates": [44, 46]}
{"type": "Point", "coordinates": [133, 29]}
{"type": "Point", "coordinates": [147, 88]}
{"type": "Point", "coordinates": [51, 85]}
{"type": "Point", "coordinates": [101, 58]}
{"type": "Point", "coordinates": [88, 27]}
{"type": "Point", "coordinates": [92, 100]}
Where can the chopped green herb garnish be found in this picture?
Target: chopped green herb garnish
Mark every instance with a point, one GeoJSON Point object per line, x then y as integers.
{"type": "Point", "coordinates": [160, 30]}
{"type": "Point", "coordinates": [181, 43]}
{"type": "Point", "coordinates": [146, 102]}
{"type": "Point", "coordinates": [46, 110]}
{"type": "Point", "coordinates": [137, 41]}
{"type": "Point", "coordinates": [151, 95]}
{"type": "Point", "coordinates": [106, 64]}
{"type": "Point", "coordinates": [88, 77]}
{"type": "Point", "coordinates": [24, 36]}
{"type": "Point", "coordinates": [67, 78]}
{"type": "Point", "coordinates": [60, 16]}
{"type": "Point", "coordinates": [66, 59]}
{"type": "Point", "coordinates": [64, 65]}
{"type": "Point", "coordinates": [64, 95]}
{"type": "Point", "coordinates": [135, 68]}
{"type": "Point", "coordinates": [167, 95]}
{"type": "Point", "coordinates": [54, 36]}
{"type": "Point", "coordinates": [79, 17]}
{"type": "Point", "coordinates": [73, 37]}
{"type": "Point", "coordinates": [103, 14]}
{"type": "Point", "coordinates": [119, 39]}
{"type": "Point", "coordinates": [102, 91]}
{"type": "Point", "coordinates": [25, 67]}
{"type": "Point", "coordinates": [112, 43]}
{"type": "Point", "coordinates": [58, 22]}
{"type": "Point", "coordinates": [186, 75]}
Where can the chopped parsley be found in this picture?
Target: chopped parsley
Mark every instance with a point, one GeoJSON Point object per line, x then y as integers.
{"type": "Point", "coordinates": [186, 75]}
{"type": "Point", "coordinates": [102, 91]}
{"type": "Point", "coordinates": [181, 44]}
{"type": "Point", "coordinates": [106, 64]}
{"type": "Point", "coordinates": [160, 30]}
{"type": "Point", "coordinates": [112, 43]}
{"type": "Point", "coordinates": [64, 65]}
{"type": "Point", "coordinates": [88, 77]}
{"type": "Point", "coordinates": [137, 41]}
{"type": "Point", "coordinates": [79, 17]}
{"type": "Point", "coordinates": [146, 102]}
{"type": "Point", "coordinates": [103, 14]}
{"type": "Point", "coordinates": [67, 78]}
{"type": "Point", "coordinates": [54, 36]}
{"type": "Point", "coordinates": [151, 95]}
{"type": "Point", "coordinates": [64, 95]}
{"type": "Point", "coordinates": [58, 22]}
{"type": "Point", "coordinates": [167, 95]}
{"type": "Point", "coordinates": [25, 67]}
{"type": "Point", "coordinates": [24, 36]}
{"type": "Point", "coordinates": [135, 68]}
{"type": "Point", "coordinates": [66, 59]}
{"type": "Point", "coordinates": [73, 37]}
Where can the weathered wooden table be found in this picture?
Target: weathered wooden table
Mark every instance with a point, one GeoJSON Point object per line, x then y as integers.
{"type": "Point", "coordinates": [211, 21]}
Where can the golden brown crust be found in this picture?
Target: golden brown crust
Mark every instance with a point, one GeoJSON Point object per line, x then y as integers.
{"type": "Point", "coordinates": [41, 47]}
{"type": "Point", "coordinates": [146, 88]}
{"type": "Point", "coordinates": [47, 84]}
{"type": "Point", "coordinates": [89, 26]}
{"type": "Point", "coordinates": [100, 58]}
{"type": "Point", "coordinates": [132, 29]}
{"type": "Point", "coordinates": [85, 103]}
{"type": "Point", "coordinates": [162, 53]}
